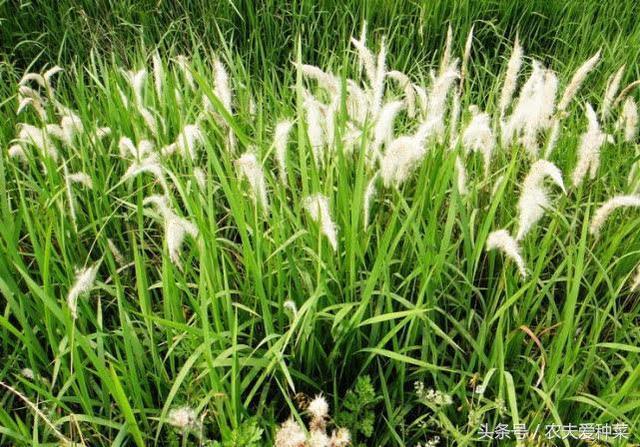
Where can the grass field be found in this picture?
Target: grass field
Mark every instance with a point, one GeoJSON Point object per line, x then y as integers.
{"type": "Point", "coordinates": [220, 215]}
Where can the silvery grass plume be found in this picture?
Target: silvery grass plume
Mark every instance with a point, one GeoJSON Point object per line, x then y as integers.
{"type": "Point", "coordinates": [625, 92]}
{"type": "Point", "coordinates": [315, 126]}
{"type": "Point", "coordinates": [533, 110]}
{"type": "Point", "coordinates": [317, 206]}
{"type": "Point", "coordinates": [200, 177]}
{"type": "Point", "coordinates": [608, 207]}
{"type": "Point", "coordinates": [589, 150]}
{"type": "Point", "coordinates": [437, 98]}
{"type": "Point", "coordinates": [478, 137]}
{"type": "Point", "coordinates": [446, 53]}
{"type": "Point", "coordinates": [136, 80]}
{"type": "Point", "coordinates": [158, 73]}
{"type": "Point", "coordinates": [502, 240]}
{"type": "Point", "coordinates": [610, 92]}
{"type": "Point", "coordinates": [407, 87]}
{"type": "Point", "coordinates": [280, 139]}
{"type": "Point", "coordinates": [511, 78]}
{"type": "Point", "coordinates": [628, 120]}
{"type": "Point", "coordinates": [69, 179]}
{"type": "Point", "coordinates": [82, 178]}
{"type": "Point", "coordinates": [84, 283]}
{"type": "Point", "coordinates": [144, 160]}
{"type": "Point", "coordinates": [326, 81]}
{"type": "Point", "coordinates": [374, 69]}
{"type": "Point", "coordinates": [290, 434]}
{"type": "Point", "coordinates": [98, 134]}
{"type": "Point", "coordinates": [369, 194]}
{"type": "Point", "coordinates": [400, 159]}
{"type": "Point", "coordinates": [17, 151]}
{"type": "Point", "coordinates": [466, 56]}
{"type": "Point", "coordinates": [454, 119]}
{"type": "Point", "coordinates": [357, 102]}
{"type": "Point", "coordinates": [43, 80]}
{"type": "Point", "coordinates": [39, 138]}
{"type": "Point", "coordinates": [187, 142]}
{"type": "Point", "coordinates": [29, 97]}
{"type": "Point", "coordinates": [70, 126]}
{"type": "Point", "coordinates": [461, 176]}
{"type": "Point", "coordinates": [176, 228]}
{"type": "Point", "coordinates": [117, 254]}
{"type": "Point", "coordinates": [184, 418]}
{"type": "Point", "coordinates": [576, 81]}
{"type": "Point", "coordinates": [250, 168]}
{"type": "Point", "coordinates": [533, 198]}
{"type": "Point", "coordinates": [405, 153]}
{"type": "Point", "coordinates": [222, 85]}
{"type": "Point", "coordinates": [383, 130]}
{"type": "Point", "coordinates": [350, 138]}
{"type": "Point", "coordinates": [182, 62]}
{"type": "Point", "coordinates": [422, 99]}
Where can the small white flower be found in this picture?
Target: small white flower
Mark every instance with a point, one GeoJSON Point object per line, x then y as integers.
{"type": "Point", "coordinates": [290, 434]}
{"type": "Point", "coordinates": [318, 408]}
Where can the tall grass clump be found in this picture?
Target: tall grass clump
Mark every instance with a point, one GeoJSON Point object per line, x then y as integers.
{"type": "Point", "coordinates": [360, 256]}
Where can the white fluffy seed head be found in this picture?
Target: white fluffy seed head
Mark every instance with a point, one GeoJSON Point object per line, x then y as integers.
{"type": "Point", "coordinates": [136, 80]}
{"type": "Point", "coordinates": [317, 206]}
{"type": "Point", "coordinates": [81, 178]}
{"type": "Point", "coordinates": [400, 159]}
{"type": "Point", "coordinates": [250, 168]}
{"type": "Point", "coordinates": [340, 438]}
{"type": "Point", "coordinates": [150, 165]}
{"type": "Point", "coordinates": [383, 130]}
{"type": "Point", "coordinates": [502, 240]}
{"type": "Point", "coordinates": [183, 65]}
{"type": "Point", "coordinates": [511, 77]}
{"type": "Point", "coordinates": [200, 177]}
{"type": "Point", "coordinates": [290, 434]}
{"type": "Point", "coordinates": [318, 438]}
{"type": "Point", "coordinates": [407, 87]}
{"type": "Point", "coordinates": [461, 176]}
{"type": "Point", "coordinates": [576, 81]}
{"type": "Point", "coordinates": [84, 282]}
{"type": "Point", "coordinates": [478, 137]}
{"type": "Point", "coordinates": [613, 85]}
{"type": "Point", "coordinates": [589, 150]}
{"type": "Point", "coordinates": [17, 151]}
{"type": "Point", "coordinates": [369, 194]}
{"type": "Point", "coordinates": [628, 121]}
{"type": "Point", "coordinates": [534, 198]}
{"type": "Point", "coordinates": [189, 140]}
{"type": "Point", "coordinates": [318, 408]}
{"type": "Point", "coordinates": [39, 138]}
{"type": "Point", "coordinates": [222, 85]}
{"type": "Point", "coordinates": [608, 207]}
{"type": "Point", "coordinates": [176, 229]}
{"type": "Point", "coordinates": [158, 73]}
{"type": "Point", "coordinates": [183, 418]}
{"type": "Point", "coordinates": [280, 139]}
